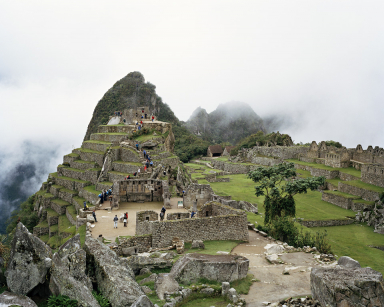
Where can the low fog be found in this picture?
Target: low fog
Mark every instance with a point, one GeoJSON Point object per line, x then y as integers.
{"type": "Point", "coordinates": [315, 67]}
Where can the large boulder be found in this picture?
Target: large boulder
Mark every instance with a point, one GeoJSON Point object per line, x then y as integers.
{"type": "Point", "coordinates": [143, 301]}
{"type": "Point", "coordinates": [347, 287]}
{"type": "Point", "coordinates": [114, 277]}
{"type": "Point", "coordinates": [348, 262]}
{"type": "Point", "coordinates": [165, 283]}
{"type": "Point", "coordinates": [29, 262]}
{"type": "Point", "coordinates": [192, 267]}
{"type": "Point", "coordinates": [13, 299]}
{"type": "Point", "coordinates": [68, 274]}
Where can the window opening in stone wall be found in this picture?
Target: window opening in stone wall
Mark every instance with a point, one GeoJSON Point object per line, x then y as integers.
{"type": "Point", "coordinates": [147, 218]}
{"type": "Point", "coordinates": [206, 213]}
{"type": "Point", "coordinates": [178, 216]}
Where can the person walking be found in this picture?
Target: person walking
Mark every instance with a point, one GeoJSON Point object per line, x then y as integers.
{"type": "Point", "coordinates": [137, 146]}
{"type": "Point", "coordinates": [161, 216]}
{"type": "Point", "coordinates": [144, 153]}
{"type": "Point", "coordinates": [138, 172]}
{"type": "Point", "coordinates": [151, 163]}
{"type": "Point", "coordinates": [193, 214]}
{"type": "Point", "coordinates": [94, 215]}
{"type": "Point", "coordinates": [101, 198]}
{"type": "Point", "coordinates": [85, 205]}
{"type": "Point", "coordinates": [125, 220]}
{"type": "Point", "coordinates": [115, 220]}
{"type": "Point", "coordinates": [153, 118]}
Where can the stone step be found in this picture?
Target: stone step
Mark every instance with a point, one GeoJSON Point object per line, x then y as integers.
{"type": "Point", "coordinates": [71, 214]}
{"type": "Point", "coordinates": [108, 137]}
{"type": "Point", "coordinates": [115, 128]}
{"type": "Point", "coordinates": [83, 165]}
{"type": "Point", "coordinates": [65, 228]}
{"type": "Point", "coordinates": [126, 167]}
{"type": "Point", "coordinates": [71, 157]}
{"type": "Point", "coordinates": [69, 183]}
{"type": "Point", "coordinates": [90, 155]}
{"type": "Point", "coordinates": [365, 191]}
{"type": "Point", "coordinates": [90, 175]}
{"type": "Point", "coordinates": [105, 185]}
{"type": "Point", "coordinates": [340, 199]}
{"type": "Point", "coordinates": [96, 145]}
{"type": "Point", "coordinates": [59, 205]}
{"type": "Point", "coordinates": [52, 216]}
{"type": "Point", "coordinates": [53, 230]}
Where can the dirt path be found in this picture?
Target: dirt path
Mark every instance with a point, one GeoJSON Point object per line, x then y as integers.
{"type": "Point", "coordinates": [104, 223]}
{"type": "Point", "coordinates": [273, 285]}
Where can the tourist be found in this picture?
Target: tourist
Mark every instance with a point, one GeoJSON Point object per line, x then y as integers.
{"type": "Point", "coordinates": [138, 172]}
{"type": "Point", "coordinates": [141, 122]}
{"type": "Point", "coordinates": [147, 164]}
{"type": "Point", "coordinates": [193, 214]}
{"type": "Point", "coordinates": [139, 128]}
{"type": "Point", "coordinates": [124, 120]}
{"type": "Point", "coordinates": [129, 177]}
{"type": "Point", "coordinates": [142, 116]}
{"type": "Point", "coordinates": [85, 205]}
{"type": "Point", "coordinates": [137, 146]}
{"type": "Point", "coordinates": [163, 209]}
{"type": "Point", "coordinates": [153, 118]}
{"type": "Point", "coordinates": [125, 220]}
{"type": "Point", "coordinates": [144, 153]}
{"type": "Point", "coordinates": [110, 201]}
{"type": "Point", "coordinates": [101, 198]}
{"type": "Point", "coordinates": [105, 195]}
{"type": "Point", "coordinates": [94, 215]}
{"type": "Point", "coordinates": [145, 115]}
{"type": "Point", "coordinates": [134, 174]}
{"type": "Point", "coordinates": [164, 173]}
{"type": "Point", "coordinates": [161, 216]}
{"type": "Point", "coordinates": [151, 164]}
{"type": "Point", "coordinates": [115, 219]}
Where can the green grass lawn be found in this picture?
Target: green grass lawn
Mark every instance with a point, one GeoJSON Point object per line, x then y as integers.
{"type": "Point", "coordinates": [308, 206]}
{"type": "Point", "coordinates": [91, 188]}
{"type": "Point", "coordinates": [303, 174]}
{"type": "Point", "coordinates": [354, 241]}
{"type": "Point", "coordinates": [351, 171]}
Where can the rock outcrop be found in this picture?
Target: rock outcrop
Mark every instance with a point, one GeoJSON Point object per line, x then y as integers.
{"type": "Point", "coordinates": [143, 301]}
{"type": "Point", "coordinates": [68, 274]}
{"type": "Point", "coordinates": [114, 277]}
{"type": "Point", "coordinates": [29, 262]}
{"type": "Point", "coordinates": [13, 299]}
{"type": "Point", "coordinates": [192, 267]}
{"type": "Point", "coordinates": [347, 287]}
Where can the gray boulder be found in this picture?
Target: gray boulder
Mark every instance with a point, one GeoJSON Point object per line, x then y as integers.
{"type": "Point", "coordinates": [9, 299]}
{"type": "Point", "coordinates": [207, 291]}
{"type": "Point", "coordinates": [343, 286]}
{"type": "Point", "coordinates": [151, 278]}
{"type": "Point", "coordinates": [68, 274]}
{"type": "Point", "coordinates": [29, 262]}
{"type": "Point", "coordinates": [165, 283]}
{"type": "Point", "coordinates": [244, 205]}
{"type": "Point", "coordinates": [114, 277]}
{"type": "Point", "coordinates": [192, 267]}
{"type": "Point", "coordinates": [143, 301]}
{"type": "Point", "coordinates": [198, 244]}
{"type": "Point", "coordinates": [348, 262]}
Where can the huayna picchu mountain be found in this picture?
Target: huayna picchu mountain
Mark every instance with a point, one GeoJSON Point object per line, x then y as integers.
{"type": "Point", "coordinates": [230, 122]}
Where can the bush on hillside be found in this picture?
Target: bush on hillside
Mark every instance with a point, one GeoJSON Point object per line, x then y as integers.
{"type": "Point", "coordinates": [26, 214]}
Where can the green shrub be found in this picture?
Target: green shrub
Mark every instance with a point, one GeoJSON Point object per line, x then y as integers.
{"type": "Point", "coordinates": [61, 301]}
{"type": "Point", "coordinates": [103, 301]}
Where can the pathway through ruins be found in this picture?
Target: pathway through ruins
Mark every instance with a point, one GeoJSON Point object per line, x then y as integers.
{"type": "Point", "coordinates": [104, 225]}
{"type": "Point", "coordinates": [273, 285]}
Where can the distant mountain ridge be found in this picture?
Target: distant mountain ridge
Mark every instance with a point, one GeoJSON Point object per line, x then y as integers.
{"type": "Point", "coordinates": [230, 122]}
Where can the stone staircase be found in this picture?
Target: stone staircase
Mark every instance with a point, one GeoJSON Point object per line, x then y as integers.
{"type": "Point", "coordinates": [76, 180]}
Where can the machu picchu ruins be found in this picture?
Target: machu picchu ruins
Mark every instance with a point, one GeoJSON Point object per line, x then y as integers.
{"type": "Point", "coordinates": [128, 218]}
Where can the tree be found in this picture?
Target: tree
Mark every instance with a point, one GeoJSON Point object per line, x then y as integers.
{"type": "Point", "coordinates": [278, 187]}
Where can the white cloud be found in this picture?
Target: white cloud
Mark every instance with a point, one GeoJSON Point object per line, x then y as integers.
{"type": "Point", "coordinates": [319, 62]}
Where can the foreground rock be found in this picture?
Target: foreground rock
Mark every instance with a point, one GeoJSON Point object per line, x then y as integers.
{"type": "Point", "coordinates": [192, 267]}
{"type": "Point", "coordinates": [348, 262]}
{"type": "Point", "coordinates": [165, 283]}
{"type": "Point", "coordinates": [10, 299]}
{"type": "Point", "coordinates": [143, 301]}
{"type": "Point", "coordinates": [29, 262]}
{"type": "Point", "coordinates": [114, 277]}
{"type": "Point", "coordinates": [68, 274]}
{"type": "Point", "coordinates": [342, 286]}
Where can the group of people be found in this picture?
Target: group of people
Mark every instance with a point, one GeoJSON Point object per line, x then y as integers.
{"type": "Point", "coordinates": [125, 220]}
{"type": "Point", "coordinates": [118, 113]}
{"type": "Point", "coordinates": [104, 195]}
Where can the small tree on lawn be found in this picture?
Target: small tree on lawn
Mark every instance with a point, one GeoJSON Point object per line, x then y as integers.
{"type": "Point", "coordinates": [278, 187]}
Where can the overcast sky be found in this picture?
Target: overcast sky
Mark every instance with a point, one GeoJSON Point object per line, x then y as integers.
{"type": "Point", "coordinates": [317, 62]}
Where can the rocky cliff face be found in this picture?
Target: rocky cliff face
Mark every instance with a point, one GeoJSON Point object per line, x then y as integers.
{"type": "Point", "coordinates": [230, 122]}
{"type": "Point", "coordinates": [130, 92]}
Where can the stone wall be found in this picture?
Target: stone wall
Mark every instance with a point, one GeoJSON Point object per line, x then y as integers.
{"type": "Point", "coordinates": [347, 177]}
{"type": "Point", "coordinates": [216, 209]}
{"type": "Point", "coordinates": [125, 168]}
{"type": "Point", "coordinates": [282, 152]}
{"type": "Point", "coordinates": [40, 231]}
{"type": "Point", "coordinates": [97, 157]}
{"type": "Point", "coordinates": [233, 167]}
{"type": "Point", "coordinates": [318, 172]}
{"type": "Point", "coordinates": [373, 174]}
{"type": "Point", "coordinates": [326, 223]}
{"type": "Point", "coordinates": [225, 227]}
{"type": "Point", "coordinates": [338, 200]}
{"type": "Point", "coordinates": [141, 190]}
{"type": "Point", "coordinates": [266, 161]}
{"type": "Point", "coordinates": [143, 243]}
{"type": "Point", "coordinates": [96, 146]}
{"type": "Point", "coordinates": [129, 155]}
{"type": "Point", "coordinates": [197, 194]}
{"type": "Point", "coordinates": [70, 217]}
{"type": "Point", "coordinates": [178, 215]}
{"type": "Point", "coordinates": [363, 193]}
